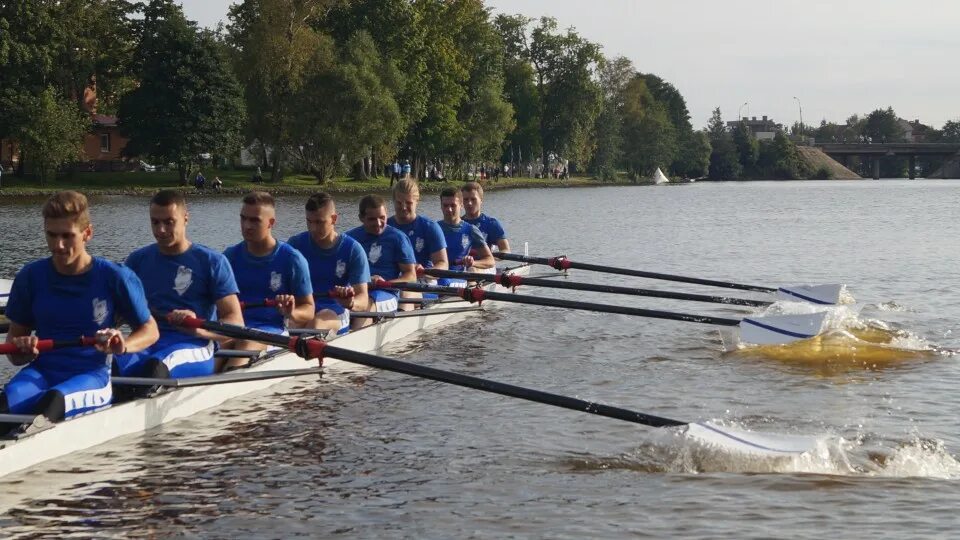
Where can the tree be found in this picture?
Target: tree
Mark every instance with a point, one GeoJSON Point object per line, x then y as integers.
{"type": "Point", "coordinates": [883, 126]}
{"type": "Point", "coordinates": [748, 150]}
{"type": "Point", "coordinates": [693, 155]}
{"type": "Point", "coordinates": [615, 74]}
{"type": "Point", "coordinates": [950, 132]}
{"type": "Point", "coordinates": [188, 102]}
{"type": "Point", "coordinates": [274, 42]}
{"type": "Point", "coordinates": [780, 160]}
{"type": "Point", "coordinates": [724, 161]}
{"type": "Point", "coordinates": [716, 129]}
{"type": "Point", "coordinates": [53, 136]}
{"type": "Point", "coordinates": [346, 107]}
{"type": "Point", "coordinates": [650, 139]}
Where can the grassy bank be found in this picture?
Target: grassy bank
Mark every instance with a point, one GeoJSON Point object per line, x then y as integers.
{"type": "Point", "coordinates": [236, 182]}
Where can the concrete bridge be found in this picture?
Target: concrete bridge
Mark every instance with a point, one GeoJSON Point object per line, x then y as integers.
{"type": "Point", "coordinates": [842, 151]}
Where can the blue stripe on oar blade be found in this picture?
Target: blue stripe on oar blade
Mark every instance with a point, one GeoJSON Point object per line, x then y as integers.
{"type": "Point", "coordinates": [804, 297]}
{"type": "Point", "coordinates": [751, 442]}
{"type": "Point", "coordinates": [800, 335]}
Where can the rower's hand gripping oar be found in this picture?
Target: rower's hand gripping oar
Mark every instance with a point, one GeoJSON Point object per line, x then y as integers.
{"type": "Point", "coordinates": [735, 440]}
{"type": "Point", "coordinates": [768, 330]}
{"type": "Point", "coordinates": [815, 294]}
{"type": "Point", "coordinates": [512, 281]}
{"type": "Point", "coordinates": [45, 345]}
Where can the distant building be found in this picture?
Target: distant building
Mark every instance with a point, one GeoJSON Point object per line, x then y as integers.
{"type": "Point", "coordinates": [763, 129]}
{"type": "Point", "coordinates": [914, 132]}
{"type": "Point", "coordinates": [102, 145]}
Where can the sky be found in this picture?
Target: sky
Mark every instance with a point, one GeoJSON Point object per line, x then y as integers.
{"type": "Point", "coordinates": [836, 57]}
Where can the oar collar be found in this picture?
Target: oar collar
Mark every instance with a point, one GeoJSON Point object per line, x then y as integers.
{"type": "Point", "coordinates": [560, 263]}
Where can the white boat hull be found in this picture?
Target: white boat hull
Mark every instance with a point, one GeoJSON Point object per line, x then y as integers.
{"type": "Point", "coordinates": [141, 415]}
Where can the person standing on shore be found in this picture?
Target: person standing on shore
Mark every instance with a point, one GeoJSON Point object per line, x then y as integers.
{"type": "Point", "coordinates": [490, 227]}
{"type": "Point", "coordinates": [62, 297]}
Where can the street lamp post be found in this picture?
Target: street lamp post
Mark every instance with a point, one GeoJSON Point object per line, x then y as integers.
{"type": "Point", "coordinates": [801, 114]}
{"type": "Point", "coordinates": [740, 118]}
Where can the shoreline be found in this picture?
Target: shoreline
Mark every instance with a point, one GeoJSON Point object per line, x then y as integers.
{"type": "Point", "coordinates": [342, 187]}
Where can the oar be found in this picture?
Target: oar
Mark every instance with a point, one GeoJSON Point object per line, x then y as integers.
{"type": "Point", "coordinates": [514, 280]}
{"type": "Point", "coordinates": [736, 440]}
{"type": "Point", "coordinates": [415, 313]}
{"type": "Point", "coordinates": [815, 294]}
{"type": "Point", "coordinates": [769, 330]}
{"type": "Point", "coordinates": [45, 345]}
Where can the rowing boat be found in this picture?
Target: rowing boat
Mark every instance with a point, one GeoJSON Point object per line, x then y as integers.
{"type": "Point", "coordinates": [103, 425]}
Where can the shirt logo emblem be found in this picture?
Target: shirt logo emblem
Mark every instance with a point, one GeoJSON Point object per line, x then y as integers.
{"type": "Point", "coordinates": [99, 311]}
{"type": "Point", "coordinates": [275, 281]}
{"type": "Point", "coordinates": [464, 240]}
{"type": "Point", "coordinates": [341, 269]}
{"type": "Point", "coordinates": [375, 252]}
{"type": "Point", "coordinates": [183, 280]}
{"type": "Point", "coordinates": [419, 244]}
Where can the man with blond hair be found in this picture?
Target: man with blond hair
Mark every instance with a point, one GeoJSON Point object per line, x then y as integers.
{"type": "Point", "coordinates": [267, 269]}
{"type": "Point", "coordinates": [181, 279]}
{"type": "Point", "coordinates": [429, 245]}
{"type": "Point", "coordinates": [63, 297]}
{"type": "Point", "coordinates": [493, 233]}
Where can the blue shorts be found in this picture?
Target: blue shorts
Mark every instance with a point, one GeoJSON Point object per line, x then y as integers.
{"type": "Point", "coordinates": [82, 392]}
{"type": "Point", "coordinates": [343, 314]}
{"type": "Point", "coordinates": [452, 282]}
{"type": "Point", "coordinates": [185, 357]}
{"type": "Point", "coordinates": [384, 300]}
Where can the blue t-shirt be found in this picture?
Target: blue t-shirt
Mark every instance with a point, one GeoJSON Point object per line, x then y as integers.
{"type": "Point", "coordinates": [64, 307]}
{"type": "Point", "coordinates": [386, 251]}
{"type": "Point", "coordinates": [425, 236]}
{"type": "Point", "coordinates": [460, 240]}
{"type": "Point", "coordinates": [490, 228]}
{"type": "Point", "coordinates": [342, 265]}
{"type": "Point", "coordinates": [195, 279]}
{"type": "Point", "coordinates": [283, 271]}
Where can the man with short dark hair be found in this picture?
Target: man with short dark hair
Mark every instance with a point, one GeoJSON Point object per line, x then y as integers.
{"type": "Point", "coordinates": [181, 279]}
{"type": "Point", "coordinates": [493, 233]}
{"type": "Point", "coordinates": [338, 267]}
{"type": "Point", "coordinates": [267, 269]}
{"type": "Point", "coordinates": [389, 253]}
{"type": "Point", "coordinates": [462, 238]}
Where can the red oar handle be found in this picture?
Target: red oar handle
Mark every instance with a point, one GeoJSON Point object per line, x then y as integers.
{"type": "Point", "coordinates": [45, 345]}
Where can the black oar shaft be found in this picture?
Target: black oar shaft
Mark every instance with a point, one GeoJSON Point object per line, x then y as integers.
{"type": "Point", "coordinates": [317, 348]}
{"type": "Point", "coordinates": [486, 385]}
{"type": "Point", "coordinates": [480, 294]}
{"type": "Point", "coordinates": [561, 263]}
{"type": "Point", "coordinates": [509, 280]}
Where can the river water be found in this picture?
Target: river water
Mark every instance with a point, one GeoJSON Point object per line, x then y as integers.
{"type": "Point", "coordinates": [382, 455]}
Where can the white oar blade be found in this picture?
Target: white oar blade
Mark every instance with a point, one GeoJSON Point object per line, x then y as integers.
{"type": "Point", "coordinates": [750, 442]}
{"type": "Point", "coordinates": [815, 294]}
{"type": "Point", "coordinates": [781, 329]}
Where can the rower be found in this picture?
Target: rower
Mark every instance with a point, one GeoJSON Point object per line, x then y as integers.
{"type": "Point", "coordinates": [338, 266]}
{"type": "Point", "coordinates": [181, 279]}
{"type": "Point", "coordinates": [63, 297]}
{"type": "Point", "coordinates": [429, 245]}
{"type": "Point", "coordinates": [267, 269]}
{"type": "Point", "coordinates": [462, 237]}
{"type": "Point", "coordinates": [389, 252]}
{"type": "Point", "coordinates": [493, 232]}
